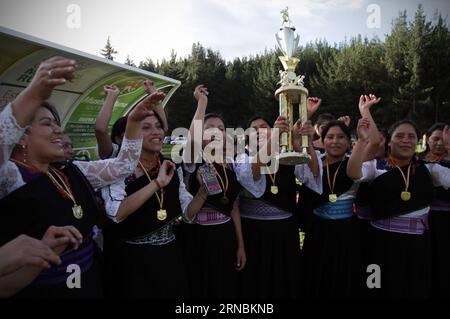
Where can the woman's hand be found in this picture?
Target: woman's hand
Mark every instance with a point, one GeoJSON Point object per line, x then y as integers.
{"type": "Point", "coordinates": [365, 102]}
{"type": "Point", "coordinates": [50, 73]}
{"type": "Point", "coordinates": [201, 93]}
{"type": "Point", "coordinates": [166, 172]}
{"type": "Point", "coordinates": [149, 86]}
{"type": "Point", "coordinates": [145, 107]}
{"type": "Point", "coordinates": [282, 124]}
{"type": "Point", "coordinates": [26, 251]}
{"type": "Point", "coordinates": [58, 238]}
{"type": "Point", "coordinates": [306, 129]}
{"type": "Point", "coordinates": [111, 90]}
{"type": "Point", "coordinates": [241, 258]}
{"type": "Point", "coordinates": [312, 105]}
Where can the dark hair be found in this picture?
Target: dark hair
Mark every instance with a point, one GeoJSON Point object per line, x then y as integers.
{"type": "Point", "coordinates": [435, 127]}
{"type": "Point", "coordinates": [324, 117]}
{"type": "Point", "coordinates": [397, 124]}
{"type": "Point", "coordinates": [385, 133]}
{"type": "Point", "coordinates": [212, 116]}
{"type": "Point", "coordinates": [52, 110]}
{"type": "Point", "coordinates": [254, 118]}
{"type": "Point", "coordinates": [118, 128]}
{"type": "Point", "coordinates": [334, 123]}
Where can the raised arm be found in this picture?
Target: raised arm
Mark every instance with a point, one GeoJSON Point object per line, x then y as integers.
{"type": "Point", "coordinates": [50, 73]}
{"type": "Point", "coordinates": [354, 166]}
{"type": "Point", "coordinates": [150, 88]}
{"type": "Point", "coordinates": [17, 116]}
{"type": "Point", "coordinates": [101, 123]}
{"type": "Point", "coordinates": [104, 172]}
{"type": "Point", "coordinates": [201, 95]}
{"type": "Point", "coordinates": [312, 105]}
{"type": "Point", "coordinates": [365, 103]}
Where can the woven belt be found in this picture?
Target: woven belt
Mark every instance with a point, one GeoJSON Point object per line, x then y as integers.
{"type": "Point", "coordinates": [341, 209]}
{"type": "Point", "coordinates": [405, 225]}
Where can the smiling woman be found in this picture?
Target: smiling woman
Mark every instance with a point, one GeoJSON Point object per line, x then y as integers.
{"type": "Point", "coordinates": [35, 193]}
{"type": "Point", "coordinates": [142, 257]}
{"type": "Point", "coordinates": [401, 192]}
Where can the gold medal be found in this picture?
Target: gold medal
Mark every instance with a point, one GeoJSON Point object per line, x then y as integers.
{"type": "Point", "coordinates": [77, 211]}
{"type": "Point", "coordinates": [161, 214]}
{"type": "Point", "coordinates": [62, 184]}
{"type": "Point", "coordinates": [274, 189]}
{"type": "Point", "coordinates": [406, 196]}
{"type": "Point", "coordinates": [332, 198]}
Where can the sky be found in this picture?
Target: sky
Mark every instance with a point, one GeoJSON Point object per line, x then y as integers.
{"type": "Point", "coordinates": [235, 28]}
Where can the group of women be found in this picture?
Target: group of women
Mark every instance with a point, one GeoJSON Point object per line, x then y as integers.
{"type": "Point", "coordinates": [376, 204]}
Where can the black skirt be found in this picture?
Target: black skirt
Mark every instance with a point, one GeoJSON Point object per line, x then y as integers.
{"type": "Point", "coordinates": [440, 242]}
{"type": "Point", "coordinates": [273, 259]}
{"type": "Point", "coordinates": [210, 254]}
{"type": "Point", "coordinates": [405, 264]}
{"type": "Point", "coordinates": [144, 271]}
{"type": "Point", "coordinates": [331, 259]}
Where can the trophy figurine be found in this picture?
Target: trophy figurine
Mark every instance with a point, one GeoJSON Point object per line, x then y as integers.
{"type": "Point", "coordinates": [292, 91]}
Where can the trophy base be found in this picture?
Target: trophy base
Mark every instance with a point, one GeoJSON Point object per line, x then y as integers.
{"type": "Point", "coordinates": [293, 158]}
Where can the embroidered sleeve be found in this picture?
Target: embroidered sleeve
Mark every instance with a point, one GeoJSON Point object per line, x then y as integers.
{"type": "Point", "coordinates": [104, 172]}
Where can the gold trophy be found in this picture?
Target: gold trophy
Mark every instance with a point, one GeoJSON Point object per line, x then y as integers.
{"type": "Point", "coordinates": [292, 91]}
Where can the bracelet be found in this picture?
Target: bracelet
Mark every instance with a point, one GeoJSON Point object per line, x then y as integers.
{"type": "Point", "coordinates": [157, 183]}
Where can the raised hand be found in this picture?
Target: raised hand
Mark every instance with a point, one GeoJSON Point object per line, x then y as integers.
{"type": "Point", "coordinates": [201, 93]}
{"type": "Point", "coordinates": [111, 90]}
{"type": "Point", "coordinates": [145, 107]}
{"type": "Point", "coordinates": [282, 124]}
{"type": "Point", "coordinates": [366, 101]}
{"type": "Point", "coordinates": [50, 73]}
{"type": "Point", "coordinates": [165, 173]}
{"type": "Point", "coordinates": [149, 86]}
{"type": "Point", "coordinates": [312, 104]}
{"type": "Point", "coordinates": [363, 129]}
{"type": "Point", "coordinates": [306, 129]}
{"type": "Point", "coordinates": [346, 119]}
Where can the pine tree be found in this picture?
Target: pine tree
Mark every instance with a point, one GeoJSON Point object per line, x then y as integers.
{"type": "Point", "coordinates": [129, 61]}
{"type": "Point", "coordinates": [148, 65]}
{"type": "Point", "coordinates": [108, 51]}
